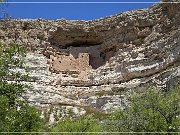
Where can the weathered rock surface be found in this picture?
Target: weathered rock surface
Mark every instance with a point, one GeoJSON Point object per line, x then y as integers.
{"type": "Point", "coordinates": [71, 62]}
{"type": "Point", "coordinates": [72, 35]}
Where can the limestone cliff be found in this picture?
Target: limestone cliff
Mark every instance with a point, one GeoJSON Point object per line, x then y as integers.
{"type": "Point", "coordinates": [71, 61]}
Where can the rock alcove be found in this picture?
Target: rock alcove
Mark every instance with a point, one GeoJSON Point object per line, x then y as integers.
{"type": "Point", "coordinates": [75, 51]}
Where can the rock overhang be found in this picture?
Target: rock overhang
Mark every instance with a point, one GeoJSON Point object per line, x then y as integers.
{"type": "Point", "coordinates": [74, 36]}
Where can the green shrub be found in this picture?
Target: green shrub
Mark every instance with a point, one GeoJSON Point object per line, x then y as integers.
{"type": "Point", "coordinates": [82, 124]}
{"type": "Point", "coordinates": [152, 111]}
{"type": "Point", "coordinates": [15, 115]}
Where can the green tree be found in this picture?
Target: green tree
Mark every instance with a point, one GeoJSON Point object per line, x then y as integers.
{"type": "Point", "coordinates": [15, 114]}
{"type": "Point", "coordinates": [82, 124]}
{"type": "Point", "coordinates": [151, 111]}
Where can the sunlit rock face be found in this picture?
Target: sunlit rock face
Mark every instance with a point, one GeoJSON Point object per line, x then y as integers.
{"type": "Point", "coordinates": [77, 63]}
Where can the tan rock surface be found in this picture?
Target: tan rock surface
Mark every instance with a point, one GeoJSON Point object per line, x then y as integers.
{"type": "Point", "coordinates": [72, 61]}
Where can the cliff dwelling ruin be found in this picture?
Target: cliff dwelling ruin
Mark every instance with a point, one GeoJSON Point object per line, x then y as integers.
{"type": "Point", "coordinates": [74, 54]}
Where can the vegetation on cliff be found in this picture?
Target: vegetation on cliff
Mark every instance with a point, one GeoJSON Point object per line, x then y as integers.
{"type": "Point", "coordinates": [15, 114]}
{"type": "Point", "coordinates": [150, 111]}
{"type": "Point", "coordinates": [82, 124]}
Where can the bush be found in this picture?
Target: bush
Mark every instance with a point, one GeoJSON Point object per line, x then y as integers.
{"type": "Point", "coordinates": [82, 124]}
{"type": "Point", "coordinates": [15, 115]}
{"type": "Point", "coordinates": [151, 111]}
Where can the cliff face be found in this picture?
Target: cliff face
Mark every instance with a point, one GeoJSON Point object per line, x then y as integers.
{"type": "Point", "coordinates": [72, 60]}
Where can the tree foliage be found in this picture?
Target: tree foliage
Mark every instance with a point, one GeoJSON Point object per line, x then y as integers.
{"type": "Point", "coordinates": [15, 114]}
{"type": "Point", "coordinates": [152, 111]}
{"type": "Point", "coordinates": [149, 111]}
{"type": "Point", "coordinates": [82, 124]}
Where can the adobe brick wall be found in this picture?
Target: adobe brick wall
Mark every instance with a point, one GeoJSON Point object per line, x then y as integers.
{"type": "Point", "coordinates": [69, 64]}
{"type": "Point", "coordinates": [79, 59]}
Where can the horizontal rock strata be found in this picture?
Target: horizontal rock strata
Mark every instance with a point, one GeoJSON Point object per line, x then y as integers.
{"type": "Point", "coordinates": [73, 62]}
